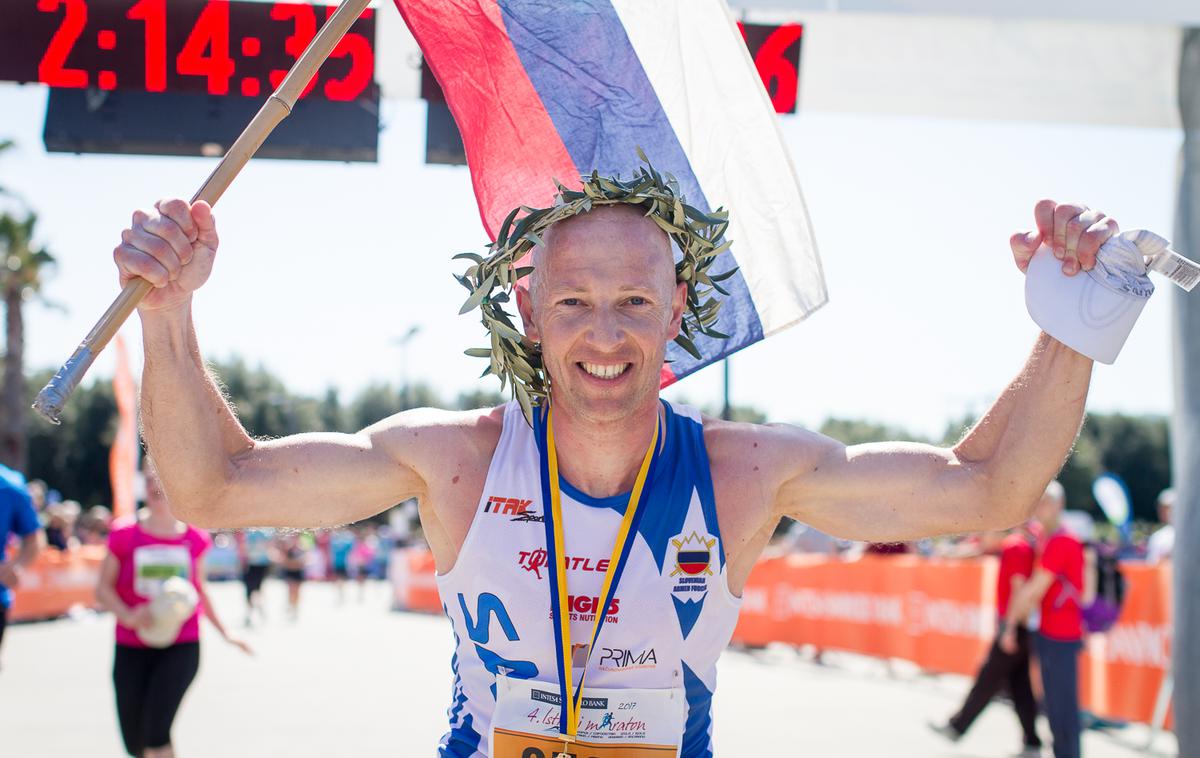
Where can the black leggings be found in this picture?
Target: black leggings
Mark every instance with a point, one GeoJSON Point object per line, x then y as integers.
{"type": "Point", "coordinates": [150, 683]}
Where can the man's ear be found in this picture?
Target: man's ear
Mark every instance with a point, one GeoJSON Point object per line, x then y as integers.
{"type": "Point", "coordinates": [678, 303]}
{"type": "Point", "coordinates": [525, 308]}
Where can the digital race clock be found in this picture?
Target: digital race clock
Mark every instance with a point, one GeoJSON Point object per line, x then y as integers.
{"type": "Point", "coordinates": [216, 47]}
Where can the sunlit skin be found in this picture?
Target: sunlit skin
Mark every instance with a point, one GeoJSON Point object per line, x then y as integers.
{"type": "Point", "coordinates": [603, 295]}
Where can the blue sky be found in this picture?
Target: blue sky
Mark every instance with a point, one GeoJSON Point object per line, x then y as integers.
{"type": "Point", "coordinates": [322, 265]}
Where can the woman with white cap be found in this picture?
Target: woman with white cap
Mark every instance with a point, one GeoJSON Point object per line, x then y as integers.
{"type": "Point", "coordinates": [153, 581]}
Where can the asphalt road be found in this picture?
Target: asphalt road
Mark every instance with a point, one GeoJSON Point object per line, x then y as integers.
{"type": "Point", "coordinates": [353, 678]}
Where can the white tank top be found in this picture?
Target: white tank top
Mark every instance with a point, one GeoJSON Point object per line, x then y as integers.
{"type": "Point", "coordinates": [670, 618]}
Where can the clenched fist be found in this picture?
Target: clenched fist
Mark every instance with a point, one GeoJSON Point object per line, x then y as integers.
{"type": "Point", "coordinates": [1073, 232]}
{"type": "Point", "coordinates": [172, 247]}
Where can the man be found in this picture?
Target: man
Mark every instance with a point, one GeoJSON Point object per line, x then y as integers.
{"type": "Point", "coordinates": [1062, 587]}
{"type": "Point", "coordinates": [17, 517]}
{"type": "Point", "coordinates": [603, 301]}
{"type": "Point", "coordinates": [1162, 543]}
{"type": "Point", "coordinates": [1001, 668]}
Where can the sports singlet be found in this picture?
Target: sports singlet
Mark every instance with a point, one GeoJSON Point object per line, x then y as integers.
{"type": "Point", "coordinates": [672, 614]}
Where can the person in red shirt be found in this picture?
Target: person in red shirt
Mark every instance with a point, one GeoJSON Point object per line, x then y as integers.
{"type": "Point", "coordinates": [1062, 586]}
{"type": "Point", "coordinates": [1003, 668]}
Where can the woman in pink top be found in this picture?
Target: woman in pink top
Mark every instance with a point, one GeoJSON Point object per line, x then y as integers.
{"type": "Point", "coordinates": [151, 679]}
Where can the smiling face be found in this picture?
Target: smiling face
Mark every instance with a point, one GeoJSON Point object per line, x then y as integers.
{"type": "Point", "coordinates": [604, 303]}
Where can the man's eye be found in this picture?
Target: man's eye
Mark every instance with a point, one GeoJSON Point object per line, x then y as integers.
{"type": "Point", "coordinates": [569, 301]}
{"type": "Point", "coordinates": [636, 300]}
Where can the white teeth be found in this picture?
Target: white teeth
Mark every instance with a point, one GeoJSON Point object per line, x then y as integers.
{"type": "Point", "coordinates": [605, 371]}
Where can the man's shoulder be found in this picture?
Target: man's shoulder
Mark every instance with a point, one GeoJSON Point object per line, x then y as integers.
{"type": "Point", "coordinates": [742, 441]}
{"type": "Point", "coordinates": [760, 457]}
{"type": "Point", "coordinates": [442, 434]}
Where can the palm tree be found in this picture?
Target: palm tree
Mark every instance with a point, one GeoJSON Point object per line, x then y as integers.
{"type": "Point", "coordinates": [23, 268]}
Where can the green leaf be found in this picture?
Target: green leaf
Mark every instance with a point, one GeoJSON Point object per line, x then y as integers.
{"type": "Point", "coordinates": [478, 352]}
{"type": "Point", "coordinates": [688, 345]}
{"type": "Point", "coordinates": [478, 295]}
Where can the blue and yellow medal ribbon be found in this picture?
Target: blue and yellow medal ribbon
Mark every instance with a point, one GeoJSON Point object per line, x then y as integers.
{"type": "Point", "coordinates": [571, 695]}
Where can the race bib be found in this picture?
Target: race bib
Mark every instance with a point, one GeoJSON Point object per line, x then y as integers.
{"type": "Point", "coordinates": [615, 723]}
{"type": "Point", "coordinates": [155, 564]}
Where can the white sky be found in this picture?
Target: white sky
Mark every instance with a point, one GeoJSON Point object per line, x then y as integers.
{"type": "Point", "coordinates": [323, 265]}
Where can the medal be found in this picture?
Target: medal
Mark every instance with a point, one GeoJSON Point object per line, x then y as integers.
{"type": "Point", "coordinates": [570, 695]}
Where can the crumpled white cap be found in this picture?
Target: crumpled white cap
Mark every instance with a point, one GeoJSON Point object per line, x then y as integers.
{"type": "Point", "coordinates": [173, 605]}
{"type": "Point", "coordinates": [1094, 311]}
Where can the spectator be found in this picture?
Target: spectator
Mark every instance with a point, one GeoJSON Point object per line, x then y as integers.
{"type": "Point", "coordinates": [60, 524]}
{"type": "Point", "coordinates": [1058, 584]}
{"type": "Point", "coordinates": [17, 517]}
{"type": "Point", "coordinates": [341, 542]}
{"type": "Point", "coordinates": [94, 525]}
{"type": "Point", "coordinates": [37, 493]}
{"type": "Point", "coordinates": [295, 557]}
{"type": "Point", "coordinates": [1162, 543]}
{"type": "Point", "coordinates": [257, 557]}
{"type": "Point", "coordinates": [1003, 669]}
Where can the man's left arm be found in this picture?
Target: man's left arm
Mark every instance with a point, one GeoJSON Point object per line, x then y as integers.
{"type": "Point", "coordinates": [886, 492]}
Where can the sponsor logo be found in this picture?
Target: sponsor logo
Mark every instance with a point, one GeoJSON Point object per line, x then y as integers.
{"type": "Point", "coordinates": [693, 554]}
{"type": "Point", "coordinates": [584, 607]}
{"type": "Point", "coordinates": [515, 508]}
{"type": "Point", "coordinates": [536, 560]}
{"type": "Point", "coordinates": [623, 659]}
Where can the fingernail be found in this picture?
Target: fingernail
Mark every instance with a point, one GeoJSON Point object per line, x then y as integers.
{"type": "Point", "coordinates": [1058, 252]}
{"type": "Point", "coordinates": [1071, 267]}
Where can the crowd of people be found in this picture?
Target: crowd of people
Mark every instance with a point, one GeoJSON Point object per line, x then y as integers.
{"type": "Point", "coordinates": [346, 554]}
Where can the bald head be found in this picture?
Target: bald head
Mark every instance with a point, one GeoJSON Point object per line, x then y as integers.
{"type": "Point", "coordinates": [604, 303]}
{"type": "Point", "coordinates": [623, 231]}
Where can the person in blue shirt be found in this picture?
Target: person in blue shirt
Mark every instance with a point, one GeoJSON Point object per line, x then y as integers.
{"type": "Point", "coordinates": [17, 517]}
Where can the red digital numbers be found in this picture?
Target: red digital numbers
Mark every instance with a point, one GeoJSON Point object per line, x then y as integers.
{"type": "Point", "coordinates": [161, 46]}
{"type": "Point", "coordinates": [153, 13]}
{"type": "Point", "coordinates": [206, 52]}
{"type": "Point", "coordinates": [52, 68]}
{"type": "Point", "coordinates": [775, 64]}
{"type": "Point", "coordinates": [304, 28]}
{"type": "Point", "coordinates": [362, 64]}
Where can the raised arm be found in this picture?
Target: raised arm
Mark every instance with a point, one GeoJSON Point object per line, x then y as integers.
{"type": "Point", "coordinates": [214, 473]}
{"type": "Point", "coordinates": [994, 476]}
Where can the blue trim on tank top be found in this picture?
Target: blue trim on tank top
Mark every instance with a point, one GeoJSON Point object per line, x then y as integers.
{"type": "Point", "coordinates": [619, 501]}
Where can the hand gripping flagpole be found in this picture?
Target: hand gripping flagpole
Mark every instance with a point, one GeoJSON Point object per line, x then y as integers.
{"type": "Point", "coordinates": [54, 395]}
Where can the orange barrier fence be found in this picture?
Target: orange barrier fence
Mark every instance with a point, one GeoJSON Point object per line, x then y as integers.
{"type": "Point", "coordinates": [56, 582]}
{"type": "Point", "coordinates": [939, 614]}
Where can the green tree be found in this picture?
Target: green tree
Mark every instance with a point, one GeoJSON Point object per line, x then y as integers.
{"type": "Point", "coordinates": [73, 457]}
{"type": "Point", "coordinates": [480, 399]}
{"type": "Point", "coordinates": [22, 274]}
{"type": "Point", "coordinates": [856, 431]}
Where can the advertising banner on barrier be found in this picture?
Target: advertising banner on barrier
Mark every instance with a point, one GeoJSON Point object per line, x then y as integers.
{"type": "Point", "coordinates": [56, 582]}
{"type": "Point", "coordinates": [940, 614]}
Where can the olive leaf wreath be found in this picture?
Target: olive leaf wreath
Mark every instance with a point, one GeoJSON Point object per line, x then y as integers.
{"type": "Point", "coordinates": [516, 359]}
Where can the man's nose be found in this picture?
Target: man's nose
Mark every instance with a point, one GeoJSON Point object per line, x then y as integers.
{"type": "Point", "coordinates": [604, 330]}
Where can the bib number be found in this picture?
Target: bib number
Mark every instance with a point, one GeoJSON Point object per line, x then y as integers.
{"type": "Point", "coordinates": [633, 723]}
{"type": "Point", "coordinates": [155, 564]}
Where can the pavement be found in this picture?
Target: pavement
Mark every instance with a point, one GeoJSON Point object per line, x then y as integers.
{"type": "Point", "coordinates": [352, 678]}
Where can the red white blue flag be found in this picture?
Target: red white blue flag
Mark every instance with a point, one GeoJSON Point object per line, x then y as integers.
{"type": "Point", "coordinates": [552, 89]}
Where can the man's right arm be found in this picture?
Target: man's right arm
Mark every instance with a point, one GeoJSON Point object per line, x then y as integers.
{"type": "Point", "coordinates": [214, 473]}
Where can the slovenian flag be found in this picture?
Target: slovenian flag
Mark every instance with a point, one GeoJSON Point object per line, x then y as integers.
{"type": "Point", "coordinates": [553, 89]}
